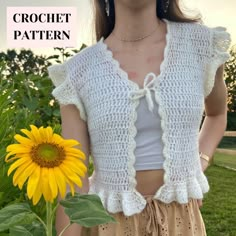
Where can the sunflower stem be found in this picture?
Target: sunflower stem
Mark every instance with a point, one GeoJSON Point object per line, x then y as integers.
{"type": "Point", "coordinates": [54, 210]}
{"type": "Point", "coordinates": [49, 218]}
{"type": "Point", "coordinates": [53, 215]}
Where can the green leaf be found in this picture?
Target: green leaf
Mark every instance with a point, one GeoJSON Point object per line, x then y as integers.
{"type": "Point", "coordinates": [15, 214]}
{"type": "Point", "coordinates": [30, 104]}
{"type": "Point", "coordinates": [52, 57]}
{"type": "Point", "coordinates": [86, 210]}
{"type": "Point", "coordinates": [56, 112]}
{"type": "Point", "coordinates": [36, 229]}
{"type": "Point", "coordinates": [48, 111]}
{"type": "Point", "coordinates": [19, 231]}
{"type": "Point", "coordinates": [4, 234]}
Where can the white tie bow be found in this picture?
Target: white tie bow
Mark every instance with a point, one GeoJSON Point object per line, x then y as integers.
{"type": "Point", "coordinates": [146, 90]}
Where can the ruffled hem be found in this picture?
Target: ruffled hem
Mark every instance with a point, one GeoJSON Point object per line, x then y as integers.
{"type": "Point", "coordinates": [132, 202]}
{"type": "Point", "coordinates": [193, 188]}
{"type": "Point", "coordinates": [129, 202]}
{"type": "Point", "coordinates": [64, 92]}
{"type": "Point", "coordinates": [220, 42]}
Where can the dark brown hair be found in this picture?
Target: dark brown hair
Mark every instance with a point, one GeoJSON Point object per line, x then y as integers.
{"type": "Point", "coordinates": [104, 24]}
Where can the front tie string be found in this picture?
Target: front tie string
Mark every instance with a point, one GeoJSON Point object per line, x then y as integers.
{"type": "Point", "coordinates": [156, 217]}
{"type": "Point", "coordinates": [146, 90]}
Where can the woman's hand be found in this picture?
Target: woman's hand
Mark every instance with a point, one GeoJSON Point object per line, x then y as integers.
{"type": "Point", "coordinates": [204, 165]}
{"type": "Point", "coordinates": [199, 202]}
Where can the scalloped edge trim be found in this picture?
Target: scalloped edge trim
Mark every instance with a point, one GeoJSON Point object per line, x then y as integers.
{"type": "Point", "coordinates": [116, 64]}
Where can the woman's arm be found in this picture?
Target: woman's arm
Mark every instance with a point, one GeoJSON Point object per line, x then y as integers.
{"type": "Point", "coordinates": [215, 122]}
{"type": "Point", "coordinates": [73, 127]}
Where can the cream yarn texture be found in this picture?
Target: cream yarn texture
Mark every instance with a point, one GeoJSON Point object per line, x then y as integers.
{"type": "Point", "coordinates": [107, 100]}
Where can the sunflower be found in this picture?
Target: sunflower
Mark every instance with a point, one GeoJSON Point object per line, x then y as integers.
{"type": "Point", "coordinates": [47, 161]}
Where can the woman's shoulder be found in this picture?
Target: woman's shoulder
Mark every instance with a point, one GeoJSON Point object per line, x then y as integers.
{"type": "Point", "coordinates": [201, 36]}
{"type": "Point", "coordinates": [198, 30]}
{"type": "Point", "coordinates": [75, 66]}
{"type": "Point", "coordinates": [189, 29]}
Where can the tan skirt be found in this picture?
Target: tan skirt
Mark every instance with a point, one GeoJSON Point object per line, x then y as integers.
{"type": "Point", "coordinates": [157, 219]}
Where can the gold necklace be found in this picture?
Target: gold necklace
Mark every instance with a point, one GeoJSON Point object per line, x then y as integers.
{"type": "Point", "coordinates": [133, 40]}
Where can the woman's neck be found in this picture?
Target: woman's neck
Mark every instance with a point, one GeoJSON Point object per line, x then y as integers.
{"type": "Point", "coordinates": [135, 18]}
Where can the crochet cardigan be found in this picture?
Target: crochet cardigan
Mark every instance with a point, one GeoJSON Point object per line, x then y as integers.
{"type": "Point", "coordinates": [107, 100]}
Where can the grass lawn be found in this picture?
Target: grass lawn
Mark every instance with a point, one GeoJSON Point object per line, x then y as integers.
{"type": "Point", "coordinates": [225, 160]}
{"type": "Point", "coordinates": [219, 204]}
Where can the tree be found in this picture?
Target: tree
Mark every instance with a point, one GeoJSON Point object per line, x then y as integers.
{"type": "Point", "coordinates": [230, 79]}
{"type": "Point", "coordinates": [25, 61]}
{"type": "Point", "coordinates": [25, 74]}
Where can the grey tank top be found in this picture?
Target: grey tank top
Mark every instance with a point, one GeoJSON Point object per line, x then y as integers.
{"type": "Point", "coordinates": [149, 145]}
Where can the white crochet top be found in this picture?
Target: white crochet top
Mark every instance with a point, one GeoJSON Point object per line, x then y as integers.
{"type": "Point", "coordinates": [107, 100]}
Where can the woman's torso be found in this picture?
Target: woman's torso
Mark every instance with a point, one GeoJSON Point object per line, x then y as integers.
{"type": "Point", "coordinates": [137, 64]}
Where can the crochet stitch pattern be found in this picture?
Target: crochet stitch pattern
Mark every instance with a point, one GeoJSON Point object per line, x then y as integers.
{"type": "Point", "coordinates": [107, 100]}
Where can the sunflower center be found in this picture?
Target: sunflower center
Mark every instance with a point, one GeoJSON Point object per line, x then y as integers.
{"type": "Point", "coordinates": [48, 155]}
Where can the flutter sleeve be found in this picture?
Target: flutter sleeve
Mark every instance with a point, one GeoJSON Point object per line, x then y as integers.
{"type": "Point", "coordinates": [66, 91]}
{"type": "Point", "coordinates": [220, 41]}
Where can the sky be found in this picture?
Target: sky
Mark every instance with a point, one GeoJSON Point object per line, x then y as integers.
{"type": "Point", "coordinates": [214, 13]}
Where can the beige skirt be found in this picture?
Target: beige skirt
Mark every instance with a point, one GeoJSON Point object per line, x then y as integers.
{"type": "Point", "coordinates": [157, 219]}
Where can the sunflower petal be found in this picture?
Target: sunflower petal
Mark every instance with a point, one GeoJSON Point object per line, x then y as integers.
{"type": "Point", "coordinates": [77, 167]}
{"type": "Point", "coordinates": [9, 157]}
{"type": "Point", "coordinates": [12, 158]}
{"type": "Point", "coordinates": [28, 134]}
{"type": "Point", "coordinates": [74, 153]}
{"type": "Point", "coordinates": [57, 138]}
{"type": "Point", "coordinates": [24, 176]}
{"type": "Point", "coordinates": [37, 193]}
{"type": "Point", "coordinates": [70, 175]}
{"type": "Point", "coordinates": [78, 162]}
{"type": "Point", "coordinates": [17, 164]}
{"type": "Point", "coordinates": [72, 187]}
{"type": "Point", "coordinates": [23, 141]}
{"type": "Point", "coordinates": [52, 183]}
{"type": "Point", "coordinates": [43, 134]}
{"type": "Point", "coordinates": [70, 143]}
{"type": "Point", "coordinates": [45, 184]}
{"type": "Point", "coordinates": [49, 133]}
{"type": "Point", "coordinates": [33, 182]}
{"type": "Point", "coordinates": [17, 148]}
{"type": "Point", "coordinates": [19, 172]}
{"type": "Point", "coordinates": [36, 134]}
{"type": "Point", "coordinates": [61, 181]}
